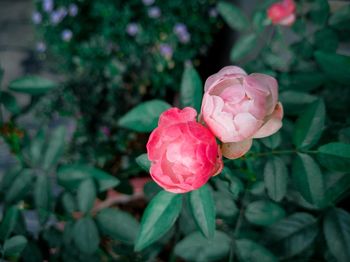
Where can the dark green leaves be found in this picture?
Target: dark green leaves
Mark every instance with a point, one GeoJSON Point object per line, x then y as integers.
{"type": "Point", "coordinates": [251, 251]}
{"type": "Point", "coordinates": [159, 216]}
{"type": "Point", "coordinates": [308, 179]}
{"type": "Point", "coordinates": [335, 156]}
{"type": "Point", "coordinates": [42, 197]}
{"type": "Point", "coordinates": [263, 213]}
{"type": "Point", "coordinates": [8, 222]}
{"type": "Point", "coordinates": [85, 235]}
{"type": "Point", "coordinates": [195, 247]}
{"type": "Point", "coordinates": [9, 102]}
{"type": "Point", "coordinates": [20, 186]}
{"type": "Point", "coordinates": [291, 235]}
{"type": "Point", "coordinates": [14, 246]}
{"type": "Point", "coordinates": [233, 16]}
{"type": "Point", "coordinates": [191, 88]}
{"type": "Point", "coordinates": [32, 85]}
{"type": "Point", "coordinates": [337, 67]}
{"type": "Point", "coordinates": [86, 195]}
{"type": "Point", "coordinates": [276, 178]}
{"type": "Point", "coordinates": [144, 117]}
{"type": "Point", "coordinates": [55, 148]}
{"type": "Point", "coordinates": [118, 224]}
{"type": "Point", "coordinates": [143, 162]}
{"type": "Point", "coordinates": [309, 126]}
{"type": "Point", "coordinates": [340, 19]}
{"type": "Point", "coordinates": [337, 233]}
{"type": "Point", "coordinates": [70, 176]}
{"type": "Point", "coordinates": [243, 47]}
{"type": "Point", "coordinates": [203, 210]}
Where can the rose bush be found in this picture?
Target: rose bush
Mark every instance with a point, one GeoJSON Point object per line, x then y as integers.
{"type": "Point", "coordinates": [282, 13]}
{"type": "Point", "coordinates": [238, 107]}
{"type": "Point", "coordinates": [184, 154]}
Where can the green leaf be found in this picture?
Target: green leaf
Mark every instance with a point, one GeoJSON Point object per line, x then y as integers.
{"type": "Point", "coordinates": [319, 12]}
{"type": "Point", "coordinates": [308, 179]}
{"type": "Point", "coordinates": [263, 212]}
{"type": "Point", "coordinates": [294, 102]}
{"type": "Point", "coordinates": [306, 81]}
{"type": "Point", "coordinates": [276, 178]}
{"type": "Point", "coordinates": [36, 148]}
{"type": "Point", "coordinates": [335, 156]}
{"type": "Point", "coordinates": [245, 45]}
{"type": "Point", "coordinates": [336, 229]}
{"type": "Point", "coordinates": [9, 102]}
{"type": "Point", "coordinates": [250, 251]}
{"type": "Point", "coordinates": [326, 40]}
{"type": "Point", "coordinates": [337, 67]}
{"type": "Point", "coordinates": [70, 176]}
{"type": "Point", "coordinates": [14, 246]}
{"type": "Point", "coordinates": [32, 85]}
{"type": "Point", "coordinates": [144, 117]}
{"type": "Point", "coordinates": [225, 206]}
{"type": "Point", "coordinates": [272, 141]}
{"type": "Point", "coordinates": [233, 16]}
{"type": "Point", "coordinates": [143, 162]}
{"type": "Point", "coordinates": [195, 247]}
{"type": "Point", "coordinates": [309, 126]}
{"type": "Point", "coordinates": [68, 202]}
{"type": "Point", "coordinates": [86, 195]}
{"type": "Point", "coordinates": [55, 148]}
{"type": "Point", "coordinates": [203, 210]}
{"type": "Point", "coordinates": [8, 222]}
{"type": "Point", "coordinates": [42, 197]}
{"type": "Point", "coordinates": [340, 19]}
{"type": "Point", "coordinates": [291, 235]}
{"type": "Point", "coordinates": [159, 216]}
{"type": "Point", "coordinates": [8, 178]}
{"type": "Point", "coordinates": [191, 91]}
{"type": "Point", "coordinates": [20, 186]}
{"type": "Point", "coordinates": [85, 235]}
{"type": "Point", "coordinates": [118, 224]}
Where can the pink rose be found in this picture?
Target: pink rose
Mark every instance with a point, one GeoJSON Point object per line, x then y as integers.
{"type": "Point", "coordinates": [282, 13]}
{"type": "Point", "coordinates": [184, 153]}
{"type": "Point", "coordinates": [238, 107]}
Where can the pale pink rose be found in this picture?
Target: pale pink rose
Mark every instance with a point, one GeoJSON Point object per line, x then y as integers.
{"type": "Point", "coordinates": [282, 13]}
{"type": "Point", "coordinates": [184, 154]}
{"type": "Point", "coordinates": [238, 107]}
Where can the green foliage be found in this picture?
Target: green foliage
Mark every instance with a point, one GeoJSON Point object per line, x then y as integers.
{"type": "Point", "coordinates": [233, 16]}
{"type": "Point", "coordinates": [195, 247]}
{"type": "Point", "coordinates": [263, 213]}
{"type": "Point", "coordinates": [191, 90]}
{"type": "Point", "coordinates": [144, 117]}
{"type": "Point", "coordinates": [248, 250]}
{"type": "Point", "coordinates": [32, 85]}
{"type": "Point", "coordinates": [85, 235]}
{"type": "Point", "coordinates": [203, 210]}
{"type": "Point", "coordinates": [276, 178]}
{"type": "Point", "coordinates": [159, 216]}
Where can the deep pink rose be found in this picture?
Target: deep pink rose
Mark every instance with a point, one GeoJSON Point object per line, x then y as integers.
{"type": "Point", "coordinates": [238, 107]}
{"type": "Point", "coordinates": [184, 154]}
{"type": "Point", "coordinates": [282, 13]}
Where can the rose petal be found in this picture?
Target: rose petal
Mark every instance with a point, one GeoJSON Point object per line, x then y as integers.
{"type": "Point", "coordinates": [273, 124]}
{"type": "Point", "coordinates": [246, 125]}
{"type": "Point", "coordinates": [174, 115]}
{"type": "Point", "coordinates": [228, 70]}
{"type": "Point", "coordinates": [236, 149]}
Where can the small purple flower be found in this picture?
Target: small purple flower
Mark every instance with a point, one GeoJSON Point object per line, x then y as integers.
{"type": "Point", "coordinates": [154, 12]}
{"type": "Point", "coordinates": [132, 29]}
{"type": "Point", "coordinates": [181, 32]}
{"type": "Point", "coordinates": [66, 35]}
{"type": "Point", "coordinates": [148, 2]}
{"type": "Point", "coordinates": [106, 131]}
{"type": "Point", "coordinates": [73, 9]}
{"type": "Point", "coordinates": [166, 50]}
{"type": "Point", "coordinates": [47, 5]}
{"type": "Point", "coordinates": [36, 18]}
{"type": "Point", "coordinates": [40, 47]}
{"type": "Point", "coordinates": [213, 12]}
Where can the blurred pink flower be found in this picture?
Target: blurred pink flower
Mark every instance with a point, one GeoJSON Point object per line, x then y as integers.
{"type": "Point", "coordinates": [282, 13]}
{"type": "Point", "coordinates": [184, 153]}
{"type": "Point", "coordinates": [238, 107]}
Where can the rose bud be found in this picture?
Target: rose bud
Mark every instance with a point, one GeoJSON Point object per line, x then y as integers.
{"type": "Point", "coordinates": [238, 107]}
{"type": "Point", "coordinates": [183, 153]}
{"type": "Point", "coordinates": [282, 13]}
